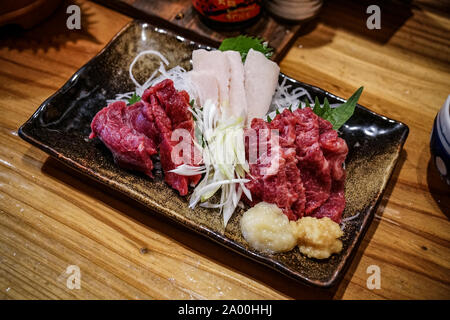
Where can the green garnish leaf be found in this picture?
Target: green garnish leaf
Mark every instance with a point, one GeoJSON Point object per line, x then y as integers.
{"type": "Point", "coordinates": [339, 115]}
{"type": "Point", "coordinates": [268, 119]}
{"type": "Point", "coordinates": [134, 98]}
{"type": "Point", "coordinates": [243, 44]}
{"type": "Point", "coordinates": [323, 112]}
{"type": "Point", "coordinates": [306, 101]}
{"type": "Point", "coordinates": [277, 112]}
{"type": "Point", "coordinates": [317, 109]}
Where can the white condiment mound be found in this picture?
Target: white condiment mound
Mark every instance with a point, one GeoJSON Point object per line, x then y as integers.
{"type": "Point", "coordinates": [267, 229]}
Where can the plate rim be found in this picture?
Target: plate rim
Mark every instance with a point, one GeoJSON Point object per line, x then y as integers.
{"type": "Point", "coordinates": [219, 238]}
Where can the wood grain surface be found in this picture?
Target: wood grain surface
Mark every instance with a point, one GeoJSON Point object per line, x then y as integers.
{"type": "Point", "coordinates": [51, 218]}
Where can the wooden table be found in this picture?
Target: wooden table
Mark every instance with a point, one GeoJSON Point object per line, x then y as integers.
{"type": "Point", "coordinates": [51, 218]}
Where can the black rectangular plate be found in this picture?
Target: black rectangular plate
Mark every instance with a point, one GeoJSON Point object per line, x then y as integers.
{"type": "Point", "coordinates": [61, 127]}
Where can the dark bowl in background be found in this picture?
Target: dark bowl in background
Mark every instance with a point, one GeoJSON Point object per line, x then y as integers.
{"type": "Point", "coordinates": [26, 13]}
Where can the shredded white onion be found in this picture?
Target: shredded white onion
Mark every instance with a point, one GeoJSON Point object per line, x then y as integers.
{"type": "Point", "coordinates": [349, 219]}
{"type": "Point", "coordinates": [187, 170]}
{"type": "Point", "coordinates": [284, 97]}
{"type": "Point", "coordinates": [224, 161]}
{"type": "Point", "coordinates": [177, 74]}
{"type": "Point", "coordinates": [154, 52]}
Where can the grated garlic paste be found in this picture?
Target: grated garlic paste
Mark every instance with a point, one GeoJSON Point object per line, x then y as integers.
{"type": "Point", "coordinates": [268, 230]}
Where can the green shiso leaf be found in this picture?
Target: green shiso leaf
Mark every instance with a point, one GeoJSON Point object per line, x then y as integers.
{"type": "Point", "coordinates": [339, 115]}
{"type": "Point", "coordinates": [243, 44]}
{"type": "Point", "coordinates": [306, 101]}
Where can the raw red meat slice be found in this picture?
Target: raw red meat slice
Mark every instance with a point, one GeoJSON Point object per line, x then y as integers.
{"type": "Point", "coordinates": [135, 117]}
{"type": "Point", "coordinates": [282, 186]}
{"type": "Point", "coordinates": [314, 167]}
{"type": "Point", "coordinates": [163, 123]}
{"type": "Point", "coordinates": [170, 112]}
{"type": "Point", "coordinates": [174, 103]}
{"type": "Point", "coordinates": [285, 123]}
{"type": "Point", "coordinates": [294, 182]}
{"type": "Point", "coordinates": [300, 129]}
{"type": "Point", "coordinates": [311, 177]}
{"type": "Point", "coordinates": [133, 133]}
{"type": "Point", "coordinates": [335, 150]}
{"type": "Point", "coordinates": [335, 204]}
{"type": "Point", "coordinates": [131, 148]}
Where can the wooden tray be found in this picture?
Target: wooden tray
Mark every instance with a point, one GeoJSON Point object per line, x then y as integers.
{"type": "Point", "coordinates": [181, 17]}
